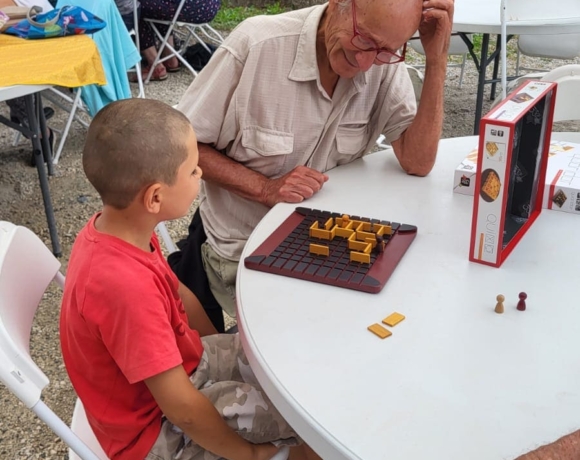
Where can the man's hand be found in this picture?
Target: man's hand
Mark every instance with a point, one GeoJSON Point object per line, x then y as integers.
{"type": "Point", "coordinates": [435, 28]}
{"type": "Point", "coordinates": [294, 187]}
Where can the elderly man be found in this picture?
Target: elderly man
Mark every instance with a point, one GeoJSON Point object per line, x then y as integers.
{"type": "Point", "coordinates": [288, 97]}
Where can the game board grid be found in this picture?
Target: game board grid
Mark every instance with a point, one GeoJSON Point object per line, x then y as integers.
{"type": "Point", "coordinates": [292, 253]}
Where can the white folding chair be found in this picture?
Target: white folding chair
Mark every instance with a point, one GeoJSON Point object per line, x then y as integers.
{"type": "Point", "coordinates": [60, 99]}
{"type": "Point", "coordinates": [568, 92]}
{"type": "Point", "coordinates": [187, 32]}
{"type": "Point", "coordinates": [135, 33]}
{"type": "Point", "coordinates": [27, 267]}
{"type": "Point", "coordinates": [514, 11]}
{"type": "Point", "coordinates": [457, 47]}
{"type": "Point", "coordinates": [564, 46]}
{"type": "Point", "coordinates": [166, 237]}
{"type": "Point", "coordinates": [80, 425]}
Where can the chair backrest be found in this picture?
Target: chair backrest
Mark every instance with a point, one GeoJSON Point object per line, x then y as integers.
{"type": "Point", "coordinates": [565, 46]}
{"type": "Point", "coordinates": [80, 425]}
{"type": "Point", "coordinates": [525, 10]}
{"type": "Point", "coordinates": [522, 10]}
{"type": "Point", "coordinates": [27, 267]}
{"type": "Point", "coordinates": [456, 45]}
{"type": "Point", "coordinates": [568, 92]}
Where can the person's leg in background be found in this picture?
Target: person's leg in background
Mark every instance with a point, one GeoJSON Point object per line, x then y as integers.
{"type": "Point", "coordinates": [194, 11]}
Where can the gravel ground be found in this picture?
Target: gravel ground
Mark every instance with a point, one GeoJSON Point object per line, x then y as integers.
{"type": "Point", "coordinates": [22, 435]}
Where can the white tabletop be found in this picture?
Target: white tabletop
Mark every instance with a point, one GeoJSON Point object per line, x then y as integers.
{"type": "Point", "coordinates": [483, 16]}
{"type": "Point", "coordinates": [10, 92]}
{"type": "Point", "coordinates": [455, 380]}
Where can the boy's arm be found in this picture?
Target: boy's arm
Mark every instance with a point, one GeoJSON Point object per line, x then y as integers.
{"type": "Point", "coordinates": [196, 315]}
{"type": "Point", "coordinates": [191, 411]}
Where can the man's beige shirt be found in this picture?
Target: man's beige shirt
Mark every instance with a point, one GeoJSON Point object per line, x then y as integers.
{"type": "Point", "coordinates": [261, 103]}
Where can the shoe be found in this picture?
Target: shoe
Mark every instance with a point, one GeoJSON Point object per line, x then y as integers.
{"type": "Point", "coordinates": [159, 74]}
{"type": "Point", "coordinates": [172, 69]}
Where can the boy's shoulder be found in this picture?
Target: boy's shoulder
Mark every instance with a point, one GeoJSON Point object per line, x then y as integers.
{"type": "Point", "coordinates": [106, 262]}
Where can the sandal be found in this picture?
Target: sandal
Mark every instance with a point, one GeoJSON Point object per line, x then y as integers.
{"type": "Point", "coordinates": [159, 74]}
{"type": "Point", "coordinates": [175, 68]}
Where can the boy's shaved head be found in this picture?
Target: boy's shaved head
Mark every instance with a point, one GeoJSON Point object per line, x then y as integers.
{"type": "Point", "coordinates": [132, 144]}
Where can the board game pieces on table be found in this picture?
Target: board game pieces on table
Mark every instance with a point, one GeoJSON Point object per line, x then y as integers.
{"type": "Point", "coordinates": [499, 305]}
{"type": "Point", "coordinates": [522, 302]}
{"type": "Point", "coordinates": [393, 319]}
{"type": "Point", "coordinates": [332, 248]}
{"type": "Point", "coordinates": [379, 330]}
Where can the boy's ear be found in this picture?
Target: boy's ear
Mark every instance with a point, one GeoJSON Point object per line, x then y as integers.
{"type": "Point", "coordinates": [152, 198]}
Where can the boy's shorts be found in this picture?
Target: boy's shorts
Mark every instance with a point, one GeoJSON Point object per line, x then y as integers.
{"type": "Point", "coordinates": [225, 378]}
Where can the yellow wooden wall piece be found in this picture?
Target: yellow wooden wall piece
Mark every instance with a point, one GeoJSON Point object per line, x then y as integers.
{"type": "Point", "coordinates": [343, 232]}
{"type": "Point", "coordinates": [362, 236]}
{"type": "Point", "coordinates": [321, 234]}
{"type": "Point", "coordinates": [319, 249]}
{"type": "Point", "coordinates": [379, 330]}
{"type": "Point", "coordinates": [329, 223]}
{"type": "Point", "coordinates": [393, 319]}
{"type": "Point", "coordinates": [360, 257]}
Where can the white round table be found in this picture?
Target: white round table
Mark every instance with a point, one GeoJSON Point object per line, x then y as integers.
{"type": "Point", "coordinates": [483, 17]}
{"type": "Point", "coordinates": [455, 381]}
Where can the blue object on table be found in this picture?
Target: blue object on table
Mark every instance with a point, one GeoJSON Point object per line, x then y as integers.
{"type": "Point", "coordinates": [68, 20]}
{"type": "Point", "coordinates": [118, 54]}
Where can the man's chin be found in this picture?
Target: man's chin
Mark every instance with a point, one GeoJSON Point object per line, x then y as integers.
{"type": "Point", "coordinates": [345, 69]}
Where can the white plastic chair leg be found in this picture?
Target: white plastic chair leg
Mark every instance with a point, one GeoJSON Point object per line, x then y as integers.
{"type": "Point", "coordinates": [75, 105]}
{"type": "Point", "coordinates": [166, 238]}
{"type": "Point", "coordinates": [462, 70]}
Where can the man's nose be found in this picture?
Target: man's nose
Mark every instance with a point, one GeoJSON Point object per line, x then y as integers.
{"type": "Point", "coordinates": [365, 59]}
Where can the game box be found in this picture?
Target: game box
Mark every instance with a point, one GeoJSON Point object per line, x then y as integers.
{"type": "Point", "coordinates": [562, 186]}
{"type": "Point", "coordinates": [563, 178]}
{"type": "Point", "coordinates": [512, 158]}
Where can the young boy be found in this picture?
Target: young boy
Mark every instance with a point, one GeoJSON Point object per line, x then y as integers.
{"type": "Point", "coordinates": [130, 332]}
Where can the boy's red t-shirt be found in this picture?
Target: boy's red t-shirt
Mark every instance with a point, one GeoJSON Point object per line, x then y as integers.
{"type": "Point", "coordinates": [122, 321]}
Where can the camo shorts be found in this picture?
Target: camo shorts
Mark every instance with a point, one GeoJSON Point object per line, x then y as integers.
{"type": "Point", "coordinates": [225, 378]}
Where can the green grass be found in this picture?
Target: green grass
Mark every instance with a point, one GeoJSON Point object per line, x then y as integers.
{"type": "Point", "coordinates": [229, 17]}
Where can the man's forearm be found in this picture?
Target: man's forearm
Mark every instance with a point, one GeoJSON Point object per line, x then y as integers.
{"type": "Point", "coordinates": [231, 175]}
{"type": "Point", "coordinates": [566, 448]}
{"type": "Point", "coordinates": [417, 147]}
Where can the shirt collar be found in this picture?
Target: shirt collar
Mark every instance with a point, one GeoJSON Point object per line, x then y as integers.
{"type": "Point", "coordinates": [305, 67]}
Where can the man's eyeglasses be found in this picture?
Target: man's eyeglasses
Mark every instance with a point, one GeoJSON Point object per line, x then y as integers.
{"type": "Point", "coordinates": [367, 44]}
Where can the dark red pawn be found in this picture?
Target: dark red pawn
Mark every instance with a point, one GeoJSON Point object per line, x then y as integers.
{"type": "Point", "coordinates": [522, 303]}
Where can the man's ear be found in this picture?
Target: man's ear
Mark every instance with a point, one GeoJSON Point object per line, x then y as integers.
{"type": "Point", "coordinates": [153, 197]}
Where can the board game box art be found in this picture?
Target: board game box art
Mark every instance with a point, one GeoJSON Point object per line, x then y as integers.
{"type": "Point", "coordinates": [331, 248]}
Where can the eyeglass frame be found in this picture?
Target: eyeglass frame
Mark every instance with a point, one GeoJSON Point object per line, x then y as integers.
{"type": "Point", "coordinates": [356, 33]}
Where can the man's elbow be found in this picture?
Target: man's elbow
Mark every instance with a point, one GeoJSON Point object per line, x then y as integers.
{"type": "Point", "coordinates": [418, 169]}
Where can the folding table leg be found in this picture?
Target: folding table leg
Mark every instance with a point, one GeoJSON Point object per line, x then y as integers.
{"type": "Point", "coordinates": [481, 82]}
{"type": "Point", "coordinates": [39, 156]}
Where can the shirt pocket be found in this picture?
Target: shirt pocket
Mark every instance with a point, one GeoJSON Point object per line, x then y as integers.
{"type": "Point", "coordinates": [350, 142]}
{"type": "Point", "coordinates": [264, 150]}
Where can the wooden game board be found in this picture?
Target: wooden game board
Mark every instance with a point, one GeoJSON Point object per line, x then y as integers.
{"type": "Point", "coordinates": [286, 252]}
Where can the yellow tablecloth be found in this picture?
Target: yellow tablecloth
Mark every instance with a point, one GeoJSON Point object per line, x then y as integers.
{"type": "Point", "coordinates": [65, 61]}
